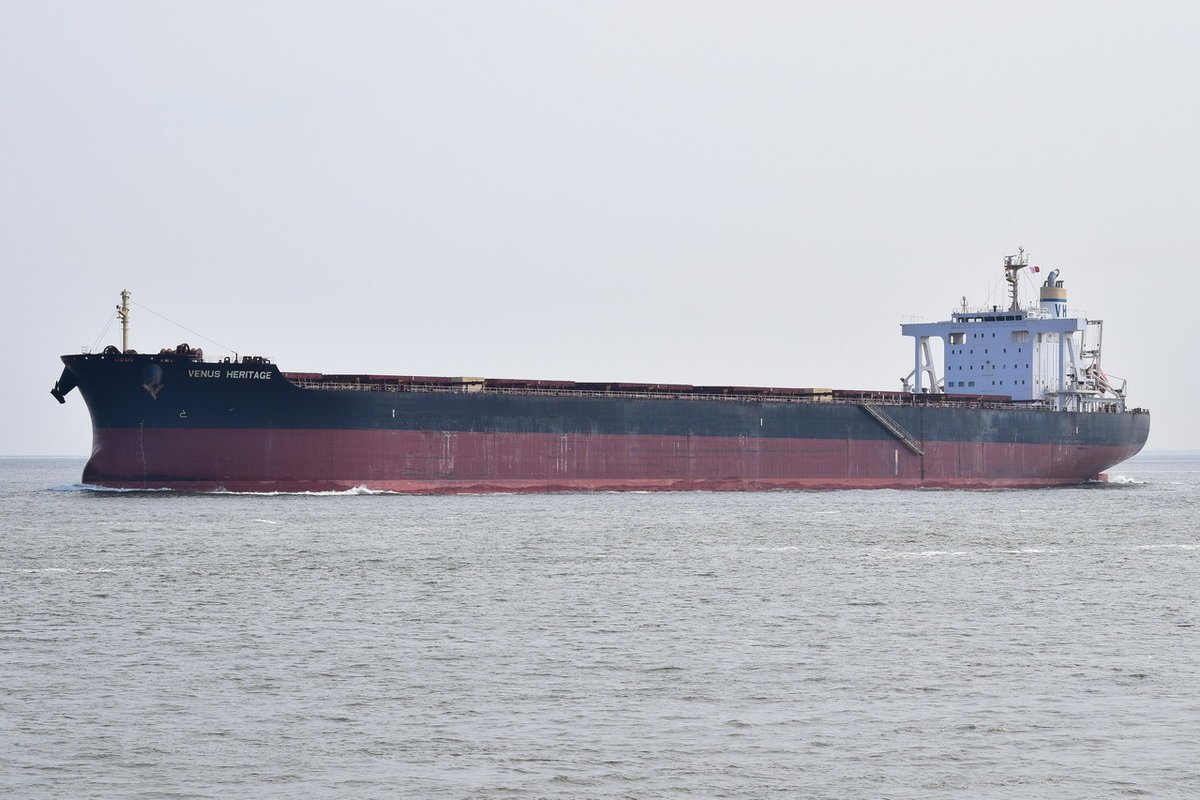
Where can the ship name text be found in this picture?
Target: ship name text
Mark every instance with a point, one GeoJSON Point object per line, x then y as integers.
{"type": "Point", "coordinates": [239, 374]}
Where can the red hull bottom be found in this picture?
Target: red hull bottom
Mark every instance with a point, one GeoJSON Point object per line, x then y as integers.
{"type": "Point", "coordinates": [436, 462]}
{"type": "Point", "coordinates": [528, 487]}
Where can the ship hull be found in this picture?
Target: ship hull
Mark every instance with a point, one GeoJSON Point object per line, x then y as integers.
{"type": "Point", "coordinates": [175, 424]}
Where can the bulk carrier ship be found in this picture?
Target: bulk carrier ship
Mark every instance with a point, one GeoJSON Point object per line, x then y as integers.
{"type": "Point", "coordinates": [1021, 402]}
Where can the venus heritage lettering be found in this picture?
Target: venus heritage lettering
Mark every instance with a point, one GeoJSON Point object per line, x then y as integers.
{"type": "Point", "coordinates": [233, 373]}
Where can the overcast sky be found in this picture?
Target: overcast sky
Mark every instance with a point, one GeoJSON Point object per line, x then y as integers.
{"type": "Point", "coordinates": [692, 192]}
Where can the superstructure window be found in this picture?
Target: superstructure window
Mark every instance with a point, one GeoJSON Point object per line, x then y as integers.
{"type": "Point", "coordinates": [958, 338]}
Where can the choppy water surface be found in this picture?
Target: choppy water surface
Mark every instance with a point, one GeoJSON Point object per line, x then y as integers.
{"type": "Point", "coordinates": [791, 644]}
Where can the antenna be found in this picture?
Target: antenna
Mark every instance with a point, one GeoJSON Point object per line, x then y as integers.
{"type": "Point", "coordinates": [1013, 265]}
{"type": "Point", "coordinates": [123, 313]}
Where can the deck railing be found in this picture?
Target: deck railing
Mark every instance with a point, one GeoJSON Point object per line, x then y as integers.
{"type": "Point", "coordinates": [878, 398]}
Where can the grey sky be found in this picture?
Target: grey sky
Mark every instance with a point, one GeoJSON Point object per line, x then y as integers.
{"type": "Point", "coordinates": [699, 192]}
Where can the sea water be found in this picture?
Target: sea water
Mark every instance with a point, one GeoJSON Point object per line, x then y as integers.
{"type": "Point", "coordinates": [921, 644]}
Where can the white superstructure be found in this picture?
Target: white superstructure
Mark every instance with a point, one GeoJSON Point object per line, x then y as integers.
{"type": "Point", "coordinates": [1038, 354]}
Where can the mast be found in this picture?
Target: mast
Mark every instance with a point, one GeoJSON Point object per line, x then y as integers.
{"type": "Point", "coordinates": [1013, 265]}
{"type": "Point", "coordinates": [123, 313]}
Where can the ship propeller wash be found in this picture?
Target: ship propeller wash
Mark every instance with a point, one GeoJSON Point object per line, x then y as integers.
{"type": "Point", "coordinates": [1022, 401]}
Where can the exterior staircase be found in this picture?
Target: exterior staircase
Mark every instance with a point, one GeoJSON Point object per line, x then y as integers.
{"type": "Point", "coordinates": [893, 427]}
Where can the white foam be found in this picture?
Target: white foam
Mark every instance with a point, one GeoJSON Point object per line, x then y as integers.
{"type": "Point", "coordinates": [353, 492]}
{"type": "Point", "coordinates": [1123, 480]}
{"type": "Point", "coordinates": [91, 487]}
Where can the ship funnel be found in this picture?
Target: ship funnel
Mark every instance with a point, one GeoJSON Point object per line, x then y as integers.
{"type": "Point", "coordinates": [1054, 296]}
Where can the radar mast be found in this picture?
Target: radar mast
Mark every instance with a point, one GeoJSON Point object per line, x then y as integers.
{"type": "Point", "coordinates": [1013, 265]}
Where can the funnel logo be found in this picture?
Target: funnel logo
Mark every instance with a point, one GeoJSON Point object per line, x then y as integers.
{"type": "Point", "coordinates": [152, 380]}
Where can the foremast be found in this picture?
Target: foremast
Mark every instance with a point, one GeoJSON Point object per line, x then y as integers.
{"type": "Point", "coordinates": [123, 313]}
